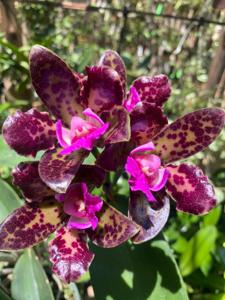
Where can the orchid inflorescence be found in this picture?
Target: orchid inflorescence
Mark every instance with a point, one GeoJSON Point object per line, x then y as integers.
{"type": "Point", "coordinates": [90, 112]}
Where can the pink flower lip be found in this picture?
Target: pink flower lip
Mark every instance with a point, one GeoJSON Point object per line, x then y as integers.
{"type": "Point", "coordinates": [82, 133]}
{"type": "Point", "coordinates": [81, 206]}
{"type": "Point", "coordinates": [146, 173]}
{"type": "Point", "coordinates": [132, 100]}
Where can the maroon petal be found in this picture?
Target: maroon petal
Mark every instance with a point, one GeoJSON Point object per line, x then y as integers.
{"type": "Point", "coordinates": [30, 224]}
{"type": "Point", "coordinates": [57, 170]}
{"type": "Point", "coordinates": [69, 254]}
{"type": "Point", "coordinates": [154, 89]}
{"type": "Point", "coordinates": [190, 188]}
{"type": "Point", "coordinates": [55, 83]}
{"type": "Point", "coordinates": [189, 134]}
{"type": "Point", "coordinates": [119, 129]}
{"type": "Point", "coordinates": [113, 60]}
{"type": "Point", "coordinates": [146, 121]}
{"type": "Point", "coordinates": [152, 220]}
{"type": "Point", "coordinates": [27, 178]}
{"type": "Point", "coordinates": [114, 156]}
{"type": "Point", "coordinates": [28, 132]}
{"type": "Point", "coordinates": [103, 89]}
{"type": "Point", "coordinates": [93, 176]}
{"type": "Point", "coordinates": [114, 228]}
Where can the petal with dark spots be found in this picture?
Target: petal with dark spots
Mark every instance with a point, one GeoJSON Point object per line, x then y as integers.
{"type": "Point", "coordinates": [28, 132]}
{"type": "Point", "coordinates": [57, 170]}
{"type": "Point", "coordinates": [27, 178]}
{"type": "Point", "coordinates": [189, 134]}
{"type": "Point", "coordinates": [155, 90]}
{"type": "Point", "coordinates": [55, 83]}
{"type": "Point", "coordinates": [191, 189]}
{"type": "Point", "coordinates": [114, 156]}
{"type": "Point", "coordinates": [30, 224]}
{"type": "Point", "coordinates": [102, 89]}
{"type": "Point", "coordinates": [114, 228]}
{"type": "Point", "coordinates": [69, 254]}
{"type": "Point", "coordinates": [151, 219]}
{"type": "Point", "coordinates": [93, 176]}
{"type": "Point", "coordinates": [113, 60]}
{"type": "Point", "coordinates": [119, 129]}
{"type": "Point", "coordinates": [147, 120]}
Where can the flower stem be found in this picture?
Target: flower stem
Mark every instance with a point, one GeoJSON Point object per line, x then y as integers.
{"type": "Point", "coordinates": [95, 152]}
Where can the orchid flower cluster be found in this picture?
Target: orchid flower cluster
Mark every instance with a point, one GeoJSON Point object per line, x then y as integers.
{"type": "Point", "coordinates": [93, 111]}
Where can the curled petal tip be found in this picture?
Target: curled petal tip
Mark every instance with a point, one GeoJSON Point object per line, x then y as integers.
{"type": "Point", "coordinates": [191, 189]}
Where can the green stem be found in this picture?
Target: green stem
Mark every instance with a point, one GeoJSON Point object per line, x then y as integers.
{"type": "Point", "coordinates": [95, 152]}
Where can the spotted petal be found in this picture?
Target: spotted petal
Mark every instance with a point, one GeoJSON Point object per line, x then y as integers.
{"type": "Point", "coordinates": [189, 134]}
{"type": "Point", "coordinates": [69, 254]}
{"type": "Point", "coordinates": [119, 129]}
{"type": "Point", "coordinates": [57, 86]}
{"type": "Point", "coordinates": [113, 229]}
{"type": "Point", "coordinates": [102, 89]}
{"type": "Point", "coordinates": [191, 189]}
{"type": "Point", "coordinates": [155, 90]}
{"type": "Point", "coordinates": [146, 121]}
{"type": "Point", "coordinates": [152, 220]}
{"type": "Point", "coordinates": [30, 224]}
{"type": "Point", "coordinates": [28, 132]}
{"type": "Point", "coordinates": [57, 170]}
{"type": "Point", "coordinates": [113, 60]}
{"type": "Point", "coordinates": [27, 178]}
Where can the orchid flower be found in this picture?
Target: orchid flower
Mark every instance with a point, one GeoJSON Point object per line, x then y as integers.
{"type": "Point", "coordinates": [153, 146]}
{"type": "Point", "coordinates": [95, 110]}
{"type": "Point", "coordinates": [87, 111]}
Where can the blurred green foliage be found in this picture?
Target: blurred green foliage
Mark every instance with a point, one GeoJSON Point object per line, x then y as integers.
{"type": "Point", "coordinates": [148, 45]}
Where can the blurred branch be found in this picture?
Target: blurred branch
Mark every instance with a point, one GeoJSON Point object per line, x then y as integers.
{"type": "Point", "coordinates": [217, 65]}
{"type": "Point", "coordinates": [183, 39]}
{"type": "Point", "coordinates": [64, 5]}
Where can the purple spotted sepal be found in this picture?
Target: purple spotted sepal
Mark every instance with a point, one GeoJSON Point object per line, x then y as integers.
{"type": "Point", "coordinates": [27, 178]}
{"type": "Point", "coordinates": [146, 173]}
{"type": "Point", "coordinates": [151, 217]}
{"type": "Point", "coordinates": [30, 224]}
{"type": "Point", "coordinates": [113, 60]}
{"type": "Point", "coordinates": [113, 229]}
{"type": "Point", "coordinates": [55, 83]}
{"type": "Point", "coordinates": [147, 120]}
{"type": "Point", "coordinates": [69, 254]}
{"type": "Point", "coordinates": [119, 128]}
{"type": "Point", "coordinates": [189, 134]}
{"type": "Point", "coordinates": [81, 206]}
{"type": "Point", "coordinates": [102, 90]}
{"type": "Point", "coordinates": [28, 132]}
{"type": "Point", "coordinates": [57, 171]}
{"type": "Point", "coordinates": [155, 90]}
{"type": "Point", "coordinates": [191, 189]}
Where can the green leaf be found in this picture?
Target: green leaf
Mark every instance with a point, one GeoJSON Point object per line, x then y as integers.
{"type": "Point", "coordinates": [180, 245]}
{"type": "Point", "coordinates": [3, 295]}
{"type": "Point", "coordinates": [213, 217]}
{"type": "Point", "coordinates": [29, 279]}
{"type": "Point", "coordinates": [198, 250]}
{"type": "Point", "coordinates": [141, 272]}
{"type": "Point", "coordinates": [159, 9]}
{"type": "Point", "coordinates": [9, 158]}
{"type": "Point", "coordinates": [9, 200]}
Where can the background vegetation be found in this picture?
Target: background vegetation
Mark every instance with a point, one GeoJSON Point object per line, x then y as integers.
{"type": "Point", "coordinates": [191, 53]}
